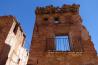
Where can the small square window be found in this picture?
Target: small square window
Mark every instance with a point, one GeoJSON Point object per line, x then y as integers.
{"type": "Point", "coordinates": [45, 19]}
{"type": "Point", "coordinates": [56, 20]}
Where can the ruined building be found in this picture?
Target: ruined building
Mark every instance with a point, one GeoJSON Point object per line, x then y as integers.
{"type": "Point", "coordinates": [59, 38]}
{"type": "Point", "coordinates": [12, 40]}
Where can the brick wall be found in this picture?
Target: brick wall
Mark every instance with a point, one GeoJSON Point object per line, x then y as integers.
{"type": "Point", "coordinates": [69, 23]}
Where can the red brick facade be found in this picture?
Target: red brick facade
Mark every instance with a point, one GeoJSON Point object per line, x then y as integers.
{"type": "Point", "coordinates": [52, 21]}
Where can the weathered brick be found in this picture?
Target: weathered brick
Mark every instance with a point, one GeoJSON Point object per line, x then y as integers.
{"type": "Point", "coordinates": [82, 49]}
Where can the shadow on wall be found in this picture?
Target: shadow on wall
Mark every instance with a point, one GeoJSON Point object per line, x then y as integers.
{"type": "Point", "coordinates": [4, 55]}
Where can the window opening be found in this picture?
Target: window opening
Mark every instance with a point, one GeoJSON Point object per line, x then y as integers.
{"type": "Point", "coordinates": [45, 19]}
{"type": "Point", "coordinates": [56, 20]}
{"type": "Point", "coordinates": [15, 29]}
{"type": "Point", "coordinates": [62, 43]}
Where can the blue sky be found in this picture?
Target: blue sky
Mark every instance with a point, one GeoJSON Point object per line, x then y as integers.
{"type": "Point", "coordinates": [24, 11]}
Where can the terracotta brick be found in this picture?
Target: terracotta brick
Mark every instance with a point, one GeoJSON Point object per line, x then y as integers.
{"type": "Point", "coordinates": [70, 23]}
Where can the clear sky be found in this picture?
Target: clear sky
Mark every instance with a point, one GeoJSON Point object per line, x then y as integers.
{"type": "Point", "coordinates": [24, 11]}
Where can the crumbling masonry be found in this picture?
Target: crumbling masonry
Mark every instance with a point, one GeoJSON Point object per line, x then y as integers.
{"type": "Point", "coordinates": [56, 22]}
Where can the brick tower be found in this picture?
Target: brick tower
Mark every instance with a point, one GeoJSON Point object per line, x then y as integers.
{"type": "Point", "coordinates": [59, 38]}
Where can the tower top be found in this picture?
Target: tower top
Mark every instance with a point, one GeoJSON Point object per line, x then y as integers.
{"type": "Point", "coordinates": [74, 8]}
